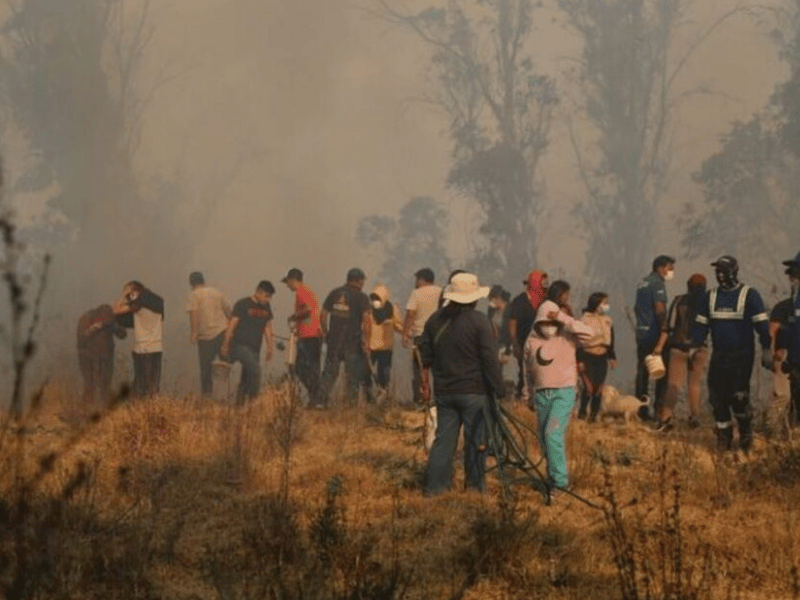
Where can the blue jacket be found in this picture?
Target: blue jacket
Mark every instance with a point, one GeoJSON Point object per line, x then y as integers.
{"type": "Point", "coordinates": [793, 328]}
{"type": "Point", "coordinates": [731, 316]}
{"type": "Point", "coordinates": [650, 291]}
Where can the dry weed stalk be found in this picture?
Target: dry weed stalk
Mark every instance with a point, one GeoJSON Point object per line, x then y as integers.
{"type": "Point", "coordinates": [655, 561]}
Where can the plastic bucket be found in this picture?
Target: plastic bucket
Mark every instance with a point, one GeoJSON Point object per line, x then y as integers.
{"type": "Point", "coordinates": [655, 366]}
{"type": "Point", "coordinates": [220, 370]}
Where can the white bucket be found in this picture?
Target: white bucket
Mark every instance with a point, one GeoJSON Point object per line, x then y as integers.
{"type": "Point", "coordinates": [655, 366]}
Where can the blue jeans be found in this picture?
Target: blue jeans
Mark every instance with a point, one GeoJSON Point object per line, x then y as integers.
{"type": "Point", "coordinates": [354, 370]}
{"type": "Point", "coordinates": [207, 351]}
{"type": "Point", "coordinates": [553, 409]}
{"type": "Point", "coordinates": [452, 412]}
{"type": "Point", "coordinates": [250, 382]}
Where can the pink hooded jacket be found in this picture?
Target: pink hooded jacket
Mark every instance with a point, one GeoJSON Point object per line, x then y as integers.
{"type": "Point", "coordinates": [550, 361]}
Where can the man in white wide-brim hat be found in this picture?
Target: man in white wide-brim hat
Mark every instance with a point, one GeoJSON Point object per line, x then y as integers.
{"type": "Point", "coordinates": [458, 346]}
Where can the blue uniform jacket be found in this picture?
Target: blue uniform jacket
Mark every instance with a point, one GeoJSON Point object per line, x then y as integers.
{"type": "Point", "coordinates": [731, 316]}
{"type": "Point", "coordinates": [793, 353]}
{"type": "Point", "coordinates": [650, 291]}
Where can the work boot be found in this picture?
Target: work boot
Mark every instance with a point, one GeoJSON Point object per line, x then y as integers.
{"type": "Point", "coordinates": [745, 434]}
{"type": "Point", "coordinates": [724, 439]}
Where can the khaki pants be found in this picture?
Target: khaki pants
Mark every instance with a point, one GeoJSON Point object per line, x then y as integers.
{"type": "Point", "coordinates": [684, 371]}
{"type": "Point", "coordinates": [778, 411]}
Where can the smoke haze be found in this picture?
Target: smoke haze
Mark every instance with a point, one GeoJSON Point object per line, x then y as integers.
{"type": "Point", "coordinates": [291, 120]}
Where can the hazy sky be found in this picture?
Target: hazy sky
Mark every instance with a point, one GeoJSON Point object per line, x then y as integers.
{"type": "Point", "coordinates": [315, 100]}
{"type": "Point", "coordinates": [317, 97]}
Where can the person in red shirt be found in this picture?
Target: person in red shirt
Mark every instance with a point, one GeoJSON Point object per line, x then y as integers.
{"type": "Point", "coordinates": [305, 321]}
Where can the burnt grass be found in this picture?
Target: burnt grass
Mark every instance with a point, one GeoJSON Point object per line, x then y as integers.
{"type": "Point", "coordinates": [183, 498]}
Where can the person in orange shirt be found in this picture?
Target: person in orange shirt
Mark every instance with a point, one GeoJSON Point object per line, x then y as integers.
{"type": "Point", "coordinates": [305, 321]}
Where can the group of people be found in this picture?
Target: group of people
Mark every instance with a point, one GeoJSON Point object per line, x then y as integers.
{"type": "Point", "coordinates": [457, 351]}
{"type": "Point", "coordinates": [733, 316]}
{"type": "Point", "coordinates": [357, 330]}
{"type": "Point", "coordinates": [559, 354]}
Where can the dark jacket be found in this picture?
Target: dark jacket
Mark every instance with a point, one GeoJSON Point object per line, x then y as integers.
{"type": "Point", "coordinates": [458, 346]}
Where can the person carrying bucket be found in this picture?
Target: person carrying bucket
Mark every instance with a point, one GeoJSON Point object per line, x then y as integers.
{"type": "Point", "coordinates": [651, 313]}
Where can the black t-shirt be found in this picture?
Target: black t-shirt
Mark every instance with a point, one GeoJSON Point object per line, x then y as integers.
{"type": "Point", "coordinates": [346, 306]}
{"type": "Point", "coordinates": [522, 310]}
{"type": "Point", "coordinates": [253, 317]}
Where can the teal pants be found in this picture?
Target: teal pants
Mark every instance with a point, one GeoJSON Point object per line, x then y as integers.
{"type": "Point", "coordinates": [553, 409]}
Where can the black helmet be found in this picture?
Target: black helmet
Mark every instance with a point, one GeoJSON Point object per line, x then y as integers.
{"type": "Point", "coordinates": [727, 270]}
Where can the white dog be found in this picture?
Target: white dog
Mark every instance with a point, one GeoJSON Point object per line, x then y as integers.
{"type": "Point", "coordinates": [615, 404]}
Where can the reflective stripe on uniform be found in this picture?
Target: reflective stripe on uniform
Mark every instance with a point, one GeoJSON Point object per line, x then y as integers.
{"type": "Point", "coordinates": [760, 317]}
{"type": "Point", "coordinates": [703, 320]}
{"type": "Point", "coordinates": [736, 315]}
{"type": "Point", "coordinates": [726, 425]}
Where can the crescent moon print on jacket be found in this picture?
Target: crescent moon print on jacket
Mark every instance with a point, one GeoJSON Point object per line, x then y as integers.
{"type": "Point", "coordinates": [541, 360]}
{"type": "Point", "coordinates": [550, 359]}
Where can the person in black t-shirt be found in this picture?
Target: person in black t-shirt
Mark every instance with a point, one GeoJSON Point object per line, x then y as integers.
{"type": "Point", "coordinates": [250, 320]}
{"type": "Point", "coordinates": [346, 327]}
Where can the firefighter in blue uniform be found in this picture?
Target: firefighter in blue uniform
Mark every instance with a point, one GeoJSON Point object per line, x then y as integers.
{"type": "Point", "coordinates": [731, 313]}
{"type": "Point", "coordinates": [791, 335]}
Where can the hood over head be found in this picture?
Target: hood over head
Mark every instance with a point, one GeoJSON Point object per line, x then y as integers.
{"type": "Point", "coordinates": [536, 291]}
{"type": "Point", "coordinates": [540, 325]}
{"type": "Point", "coordinates": [381, 292]}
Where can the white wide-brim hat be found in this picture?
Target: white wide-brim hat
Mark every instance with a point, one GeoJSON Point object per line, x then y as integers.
{"type": "Point", "coordinates": [464, 289]}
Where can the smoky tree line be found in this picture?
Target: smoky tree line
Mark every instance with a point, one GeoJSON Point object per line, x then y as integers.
{"type": "Point", "coordinates": [750, 186]}
{"type": "Point", "coordinates": [622, 98]}
{"type": "Point", "coordinates": [499, 110]}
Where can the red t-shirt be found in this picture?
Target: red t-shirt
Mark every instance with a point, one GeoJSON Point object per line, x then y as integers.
{"type": "Point", "coordinates": [305, 300]}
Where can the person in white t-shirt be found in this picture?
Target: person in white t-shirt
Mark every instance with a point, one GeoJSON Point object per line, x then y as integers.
{"type": "Point", "coordinates": [143, 311]}
{"type": "Point", "coordinates": [422, 303]}
{"type": "Point", "coordinates": [208, 317]}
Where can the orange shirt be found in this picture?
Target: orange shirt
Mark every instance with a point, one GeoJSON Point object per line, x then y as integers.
{"type": "Point", "coordinates": [305, 300]}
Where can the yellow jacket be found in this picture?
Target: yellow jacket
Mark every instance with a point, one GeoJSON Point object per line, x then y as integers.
{"type": "Point", "coordinates": [382, 337]}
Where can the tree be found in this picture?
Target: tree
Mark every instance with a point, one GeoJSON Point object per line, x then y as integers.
{"type": "Point", "coordinates": [69, 71]}
{"type": "Point", "coordinates": [408, 242]}
{"type": "Point", "coordinates": [750, 204]}
{"type": "Point", "coordinates": [626, 79]}
{"type": "Point", "coordinates": [499, 112]}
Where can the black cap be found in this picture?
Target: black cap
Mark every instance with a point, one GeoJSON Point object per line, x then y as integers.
{"type": "Point", "coordinates": [355, 274]}
{"type": "Point", "coordinates": [794, 262]}
{"type": "Point", "coordinates": [293, 273]}
{"type": "Point", "coordinates": [725, 263]}
{"type": "Point", "coordinates": [426, 274]}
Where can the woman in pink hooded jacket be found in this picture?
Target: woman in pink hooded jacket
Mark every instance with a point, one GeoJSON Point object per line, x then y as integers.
{"type": "Point", "coordinates": [551, 371]}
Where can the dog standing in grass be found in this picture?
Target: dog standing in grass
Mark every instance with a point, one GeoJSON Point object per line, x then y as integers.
{"type": "Point", "coordinates": [612, 402]}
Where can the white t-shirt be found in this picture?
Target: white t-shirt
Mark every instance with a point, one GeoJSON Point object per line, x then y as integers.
{"type": "Point", "coordinates": [424, 301]}
{"type": "Point", "coordinates": [211, 308]}
{"type": "Point", "coordinates": [147, 331]}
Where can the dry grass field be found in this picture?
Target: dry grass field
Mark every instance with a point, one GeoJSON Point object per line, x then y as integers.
{"type": "Point", "coordinates": [184, 498]}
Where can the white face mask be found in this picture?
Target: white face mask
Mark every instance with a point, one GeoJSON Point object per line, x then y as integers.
{"type": "Point", "coordinates": [376, 303]}
{"type": "Point", "coordinates": [548, 331]}
{"type": "Point", "coordinates": [669, 276]}
{"type": "Point", "coordinates": [605, 309]}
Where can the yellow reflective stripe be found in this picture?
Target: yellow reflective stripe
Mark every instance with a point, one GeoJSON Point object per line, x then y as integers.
{"type": "Point", "coordinates": [760, 317]}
